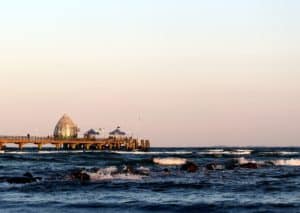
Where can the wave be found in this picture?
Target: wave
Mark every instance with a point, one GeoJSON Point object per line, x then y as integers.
{"type": "Point", "coordinates": [279, 153]}
{"type": "Point", "coordinates": [223, 152]}
{"type": "Point", "coordinates": [151, 153]}
{"type": "Point", "coordinates": [170, 161]}
{"type": "Point", "coordinates": [41, 152]}
{"type": "Point", "coordinates": [242, 161]}
{"type": "Point", "coordinates": [280, 162]}
{"type": "Point", "coordinates": [53, 152]}
{"type": "Point", "coordinates": [97, 151]}
{"type": "Point", "coordinates": [288, 162]}
{"type": "Point", "coordinates": [111, 173]}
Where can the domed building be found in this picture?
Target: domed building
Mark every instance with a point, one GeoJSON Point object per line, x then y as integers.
{"type": "Point", "coordinates": [66, 128]}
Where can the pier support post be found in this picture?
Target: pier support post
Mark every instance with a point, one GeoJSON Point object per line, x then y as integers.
{"type": "Point", "coordinates": [21, 146]}
{"type": "Point", "coordinates": [147, 144]}
{"type": "Point", "coordinates": [40, 146]}
{"type": "Point", "coordinates": [142, 144]}
{"type": "Point", "coordinates": [73, 146]}
{"type": "Point", "coordinates": [57, 146]}
{"type": "Point", "coordinates": [87, 146]}
{"type": "Point", "coordinates": [98, 146]}
{"type": "Point", "coordinates": [65, 146]}
{"type": "Point", "coordinates": [129, 147]}
{"type": "Point", "coordinates": [133, 145]}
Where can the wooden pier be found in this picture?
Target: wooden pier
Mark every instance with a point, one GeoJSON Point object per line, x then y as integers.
{"type": "Point", "coordinates": [111, 143]}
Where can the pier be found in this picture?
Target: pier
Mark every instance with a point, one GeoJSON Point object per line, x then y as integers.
{"type": "Point", "coordinates": [65, 137]}
{"type": "Point", "coordinates": [111, 143]}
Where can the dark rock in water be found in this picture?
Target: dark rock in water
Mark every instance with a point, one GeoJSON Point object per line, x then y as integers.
{"type": "Point", "coordinates": [268, 163]}
{"type": "Point", "coordinates": [214, 166]}
{"type": "Point", "coordinates": [19, 180]}
{"type": "Point", "coordinates": [249, 166]}
{"type": "Point", "coordinates": [26, 178]}
{"type": "Point", "coordinates": [190, 167]}
{"type": "Point", "coordinates": [167, 171]}
{"type": "Point", "coordinates": [129, 169]}
{"type": "Point", "coordinates": [28, 174]}
{"type": "Point", "coordinates": [210, 166]}
{"type": "Point", "coordinates": [231, 164]}
{"type": "Point", "coordinates": [80, 175]}
{"type": "Point", "coordinates": [94, 170]}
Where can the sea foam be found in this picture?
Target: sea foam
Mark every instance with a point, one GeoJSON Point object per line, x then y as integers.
{"type": "Point", "coordinates": [152, 153]}
{"type": "Point", "coordinates": [280, 162]}
{"type": "Point", "coordinates": [170, 161]}
{"type": "Point", "coordinates": [111, 173]}
{"type": "Point", "coordinates": [223, 152]}
{"type": "Point", "coordinates": [288, 162]}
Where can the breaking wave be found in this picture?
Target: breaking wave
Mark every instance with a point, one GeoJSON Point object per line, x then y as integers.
{"type": "Point", "coordinates": [223, 152]}
{"type": "Point", "coordinates": [152, 153]}
{"type": "Point", "coordinates": [111, 173]}
{"type": "Point", "coordinates": [279, 153]}
{"type": "Point", "coordinates": [170, 161]}
{"type": "Point", "coordinates": [280, 162]}
{"type": "Point", "coordinates": [288, 162]}
{"type": "Point", "coordinates": [243, 160]}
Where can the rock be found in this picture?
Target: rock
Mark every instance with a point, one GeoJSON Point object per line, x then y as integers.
{"type": "Point", "coordinates": [80, 175]}
{"type": "Point", "coordinates": [249, 166]}
{"type": "Point", "coordinates": [231, 164]}
{"type": "Point", "coordinates": [269, 163]}
{"type": "Point", "coordinates": [26, 178]}
{"type": "Point", "coordinates": [129, 169]}
{"type": "Point", "coordinates": [190, 167]}
{"type": "Point", "coordinates": [28, 174]}
{"type": "Point", "coordinates": [166, 171]}
{"type": "Point", "coordinates": [214, 166]}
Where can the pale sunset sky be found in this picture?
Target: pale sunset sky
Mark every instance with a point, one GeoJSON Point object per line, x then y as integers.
{"type": "Point", "coordinates": [180, 73]}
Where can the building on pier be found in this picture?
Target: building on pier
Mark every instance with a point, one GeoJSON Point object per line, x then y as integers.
{"type": "Point", "coordinates": [91, 134]}
{"type": "Point", "coordinates": [117, 133]}
{"type": "Point", "coordinates": [66, 128]}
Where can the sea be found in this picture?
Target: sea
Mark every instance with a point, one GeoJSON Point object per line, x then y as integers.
{"type": "Point", "coordinates": [263, 179]}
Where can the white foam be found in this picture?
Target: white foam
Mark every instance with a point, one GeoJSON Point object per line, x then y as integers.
{"type": "Point", "coordinates": [243, 151]}
{"type": "Point", "coordinates": [98, 151]}
{"type": "Point", "coordinates": [143, 169]}
{"type": "Point", "coordinates": [243, 161]}
{"type": "Point", "coordinates": [288, 162]}
{"type": "Point", "coordinates": [215, 150]}
{"type": "Point", "coordinates": [281, 153]}
{"type": "Point", "coordinates": [50, 152]}
{"type": "Point", "coordinates": [281, 162]}
{"type": "Point", "coordinates": [222, 152]}
{"type": "Point", "coordinates": [151, 153]}
{"type": "Point", "coordinates": [170, 161]}
{"type": "Point", "coordinates": [110, 173]}
{"type": "Point", "coordinates": [18, 152]}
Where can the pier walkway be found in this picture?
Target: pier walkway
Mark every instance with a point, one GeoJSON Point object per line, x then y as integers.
{"type": "Point", "coordinates": [112, 143]}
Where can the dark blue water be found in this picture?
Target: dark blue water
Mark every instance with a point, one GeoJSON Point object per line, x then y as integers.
{"type": "Point", "coordinates": [272, 187]}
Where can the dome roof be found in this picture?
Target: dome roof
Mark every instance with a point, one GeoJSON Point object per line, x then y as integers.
{"type": "Point", "coordinates": [117, 132]}
{"type": "Point", "coordinates": [66, 128]}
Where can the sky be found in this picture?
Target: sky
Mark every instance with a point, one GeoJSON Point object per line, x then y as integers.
{"type": "Point", "coordinates": [180, 73]}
